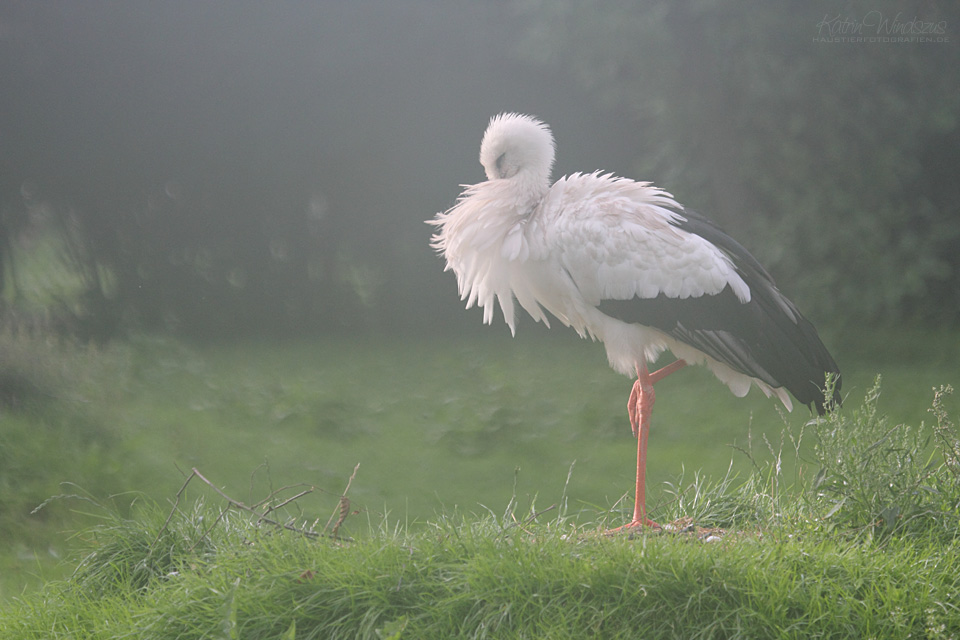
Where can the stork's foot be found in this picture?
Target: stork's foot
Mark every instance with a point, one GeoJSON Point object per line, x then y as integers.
{"type": "Point", "coordinates": [633, 526]}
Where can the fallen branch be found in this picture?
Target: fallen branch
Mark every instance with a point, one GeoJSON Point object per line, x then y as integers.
{"type": "Point", "coordinates": [263, 516]}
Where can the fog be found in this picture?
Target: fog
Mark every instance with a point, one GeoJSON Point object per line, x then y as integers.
{"type": "Point", "coordinates": [252, 167]}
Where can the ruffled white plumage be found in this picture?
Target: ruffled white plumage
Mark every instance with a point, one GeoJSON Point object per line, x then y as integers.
{"type": "Point", "coordinates": [567, 247]}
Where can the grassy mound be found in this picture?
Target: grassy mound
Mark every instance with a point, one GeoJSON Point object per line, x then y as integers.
{"type": "Point", "coordinates": [867, 546]}
{"type": "Point", "coordinates": [485, 579]}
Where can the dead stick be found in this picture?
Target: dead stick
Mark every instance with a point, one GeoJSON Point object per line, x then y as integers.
{"type": "Point", "coordinates": [173, 510]}
{"type": "Point", "coordinates": [274, 494]}
{"type": "Point", "coordinates": [243, 507]}
{"type": "Point", "coordinates": [344, 512]}
{"type": "Point", "coordinates": [288, 501]}
{"type": "Point", "coordinates": [336, 511]}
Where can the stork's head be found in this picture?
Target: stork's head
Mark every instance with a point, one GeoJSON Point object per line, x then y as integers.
{"type": "Point", "coordinates": [516, 145]}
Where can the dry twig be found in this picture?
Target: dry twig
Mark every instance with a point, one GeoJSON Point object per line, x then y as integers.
{"type": "Point", "coordinates": [343, 508]}
{"type": "Point", "coordinates": [263, 516]}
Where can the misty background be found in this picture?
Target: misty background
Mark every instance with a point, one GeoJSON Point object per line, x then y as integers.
{"type": "Point", "coordinates": [226, 170]}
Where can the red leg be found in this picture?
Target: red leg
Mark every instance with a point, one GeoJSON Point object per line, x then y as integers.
{"type": "Point", "coordinates": [640, 408]}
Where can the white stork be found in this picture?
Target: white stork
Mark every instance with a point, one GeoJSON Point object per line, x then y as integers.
{"type": "Point", "coordinates": [623, 262]}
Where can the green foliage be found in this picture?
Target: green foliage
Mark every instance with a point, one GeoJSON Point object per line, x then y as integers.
{"type": "Point", "coordinates": [131, 554]}
{"type": "Point", "coordinates": [45, 276]}
{"type": "Point", "coordinates": [861, 476]}
{"type": "Point", "coordinates": [711, 502]}
{"type": "Point", "coordinates": [884, 478]}
{"type": "Point", "coordinates": [827, 159]}
{"type": "Point", "coordinates": [47, 423]}
{"type": "Point", "coordinates": [59, 432]}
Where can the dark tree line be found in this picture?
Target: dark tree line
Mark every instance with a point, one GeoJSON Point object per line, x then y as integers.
{"type": "Point", "coordinates": [825, 135]}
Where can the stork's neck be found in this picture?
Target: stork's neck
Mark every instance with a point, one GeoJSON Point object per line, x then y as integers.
{"type": "Point", "coordinates": [528, 188]}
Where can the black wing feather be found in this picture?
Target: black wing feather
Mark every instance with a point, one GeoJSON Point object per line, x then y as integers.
{"type": "Point", "coordinates": [766, 338]}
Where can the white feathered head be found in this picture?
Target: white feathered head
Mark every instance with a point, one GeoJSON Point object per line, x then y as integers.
{"type": "Point", "coordinates": [517, 144]}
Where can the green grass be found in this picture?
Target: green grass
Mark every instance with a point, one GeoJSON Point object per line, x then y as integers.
{"type": "Point", "coordinates": [485, 577]}
{"type": "Point", "coordinates": [479, 430]}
